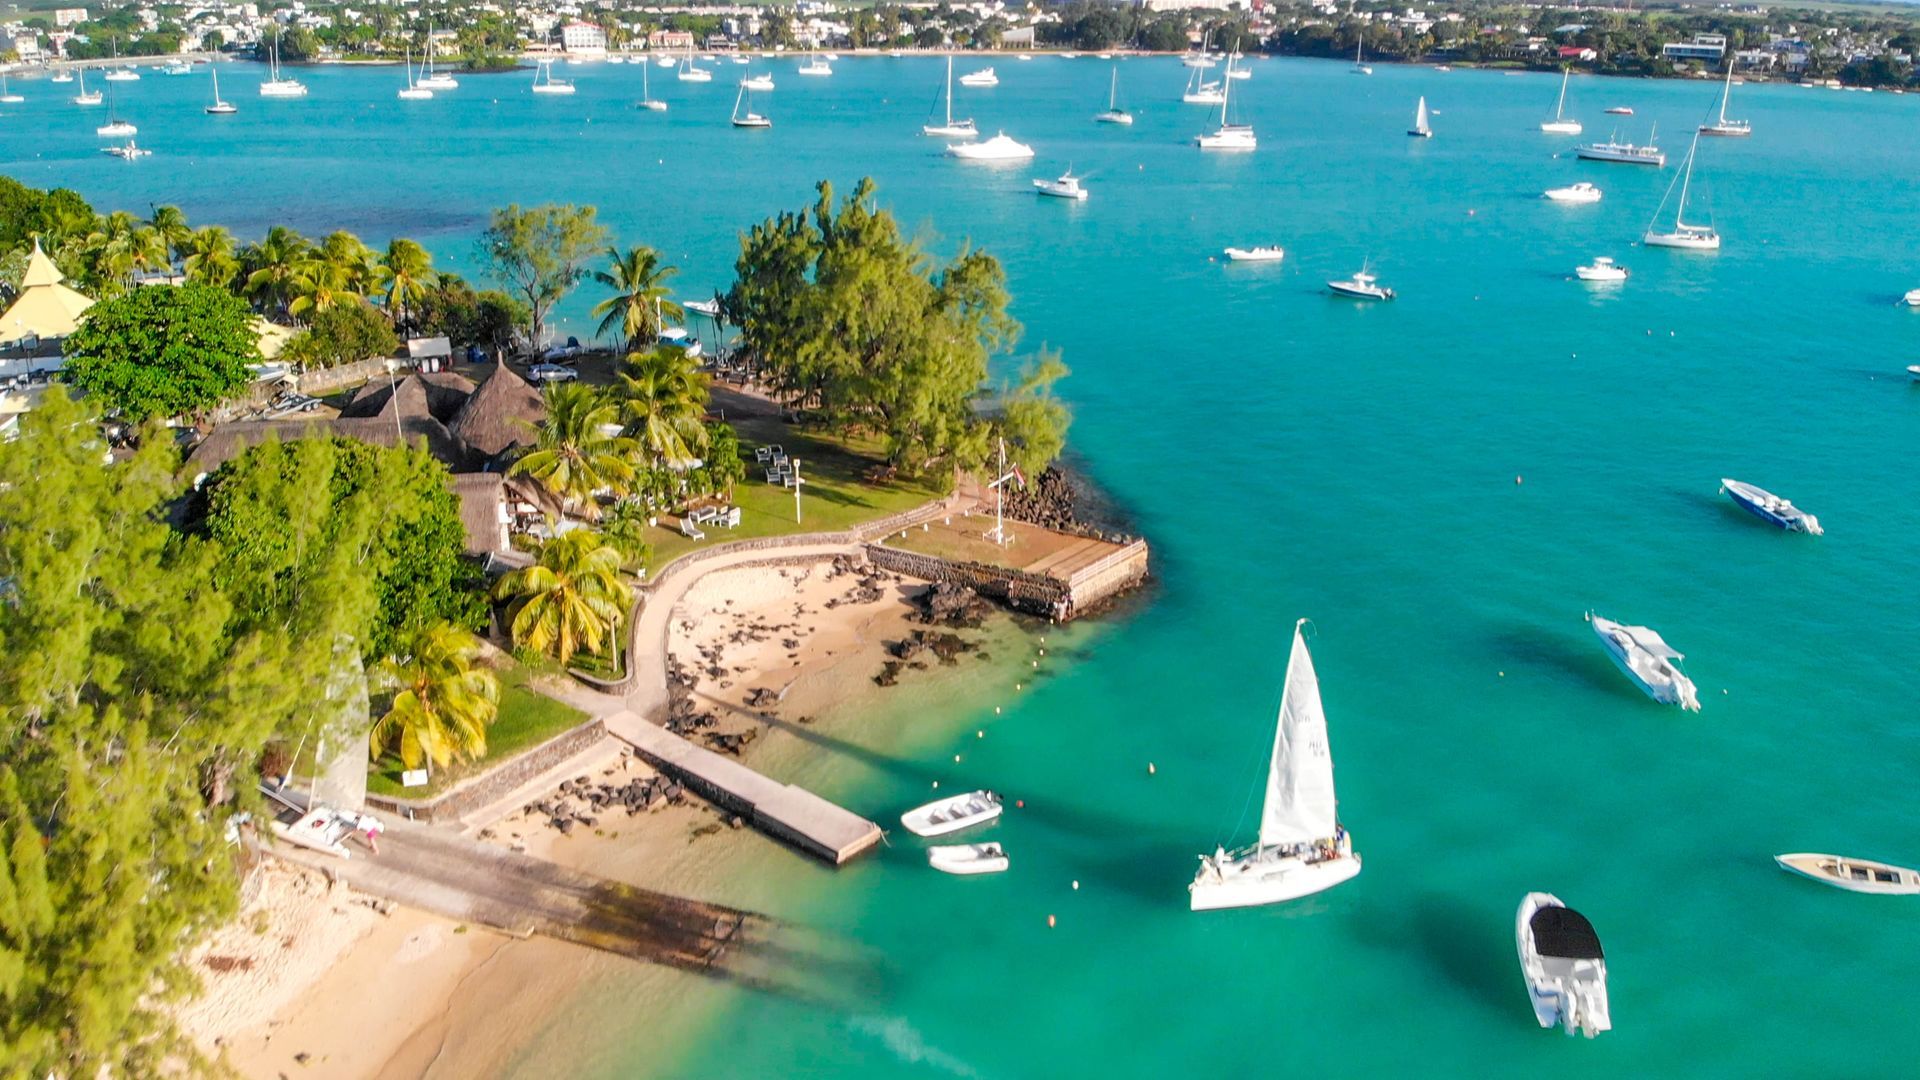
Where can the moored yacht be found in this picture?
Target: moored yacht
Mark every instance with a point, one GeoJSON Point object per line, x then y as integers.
{"type": "Point", "coordinates": [430, 79]}
{"type": "Point", "coordinates": [1229, 135]}
{"type": "Point", "coordinates": [1565, 968]}
{"type": "Point", "coordinates": [690, 71]}
{"type": "Point", "coordinates": [1561, 124]}
{"type": "Point", "coordinates": [1624, 153]}
{"type": "Point", "coordinates": [962, 128]}
{"type": "Point", "coordinates": [1771, 508]}
{"type": "Point", "coordinates": [1360, 66]}
{"type": "Point", "coordinates": [952, 814]}
{"type": "Point", "coordinates": [746, 117]}
{"type": "Point", "coordinates": [647, 100]}
{"type": "Point", "coordinates": [1581, 192]}
{"type": "Point", "coordinates": [413, 91]}
{"type": "Point", "coordinates": [1068, 186]}
{"type": "Point", "coordinates": [219, 107]}
{"type": "Point", "coordinates": [1853, 875]}
{"type": "Point", "coordinates": [1361, 286]}
{"type": "Point", "coordinates": [817, 67]}
{"type": "Point", "coordinates": [983, 77]}
{"type": "Point", "coordinates": [545, 83]}
{"type": "Point", "coordinates": [276, 86]}
{"type": "Point", "coordinates": [1421, 129]}
{"type": "Point", "coordinates": [1257, 253]}
{"type": "Point", "coordinates": [762, 81]}
{"type": "Point", "coordinates": [1620, 110]}
{"type": "Point", "coordinates": [1302, 848]}
{"type": "Point", "coordinates": [1721, 125]}
{"type": "Point", "coordinates": [1114, 114]}
{"type": "Point", "coordinates": [128, 152]}
{"type": "Point", "coordinates": [84, 97]}
{"type": "Point", "coordinates": [1684, 236]}
{"type": "Point", "coordinates": [7, 95]}
{"type": "Point", "coordinates": [1602, 269]}
{"type": "Point", "coordinates": [1643, 656]}
{"type": "Point", "coordinates": [998, 148]}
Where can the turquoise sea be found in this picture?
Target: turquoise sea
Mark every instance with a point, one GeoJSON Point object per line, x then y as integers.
{"type": "Point", "coordinates": [1292, 455]}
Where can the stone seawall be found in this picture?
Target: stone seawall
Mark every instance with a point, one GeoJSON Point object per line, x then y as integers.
{"type": "Point", "coordinates": [1060, 599]}
{"type": "Point", "coordinates": [496, 783]}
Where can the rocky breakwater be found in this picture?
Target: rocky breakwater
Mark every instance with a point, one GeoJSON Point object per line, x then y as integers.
{"type": "Point", "coordinates": [583, 801]}
{"type": "Point", "coordinates": [945, 607]}
{"type": "Point", "coordinates": [1059, 500]}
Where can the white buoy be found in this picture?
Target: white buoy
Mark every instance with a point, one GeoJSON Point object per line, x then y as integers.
{"type": "Point", "coordinates": [956, 759]}
{"type": "Point", "coordinates": [1076, 886]}
{"type": "Point", "coordinates": [1150, 769]}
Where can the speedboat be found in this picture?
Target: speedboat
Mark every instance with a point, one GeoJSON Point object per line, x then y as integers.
{"type": "Point", "coordinates": [1565, 969]}
{"type": "Point", "coordinates": [1621, 110]}
{"type": "Point", "coordinates": [1647, 659]}
{"type": "Point", "coordinates": [1853, 875]}
{"type": "Point", "coordinates": [1769, 507]}
{"type": "Point", "coordinates": [1622, 153]}
{"type": "Point", "coordinates": [1913, 370]}
{"type": "Point", "coordinates": [1067, 187]}
{"type": "Point", "coordinates": [178, 67]}
{"type": "Point", "coordinates": [983, 77]}
{"type": "Point", "coordinates": [943, 816]}
{"type": "Point", "coordinates": [1581, 192]}
{"type": "Point", "coordinates": [1912, 299]}
{"type": "Point", "coordinates": [1302, 848]}
{"type": "Point", "coordinates": [1263, 253]}
{"type": "Point", "coordinates": [967, 858]}
{"type": "Point", "coordinates": [1362, 286]}
{"type": "Point", "coordinates": [998, 148]}
{"type": "Point", "coordinates": [1601, 269]}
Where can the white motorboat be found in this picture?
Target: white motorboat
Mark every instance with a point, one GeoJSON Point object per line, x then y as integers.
{"type": "Point", "coordinates": [1601, 269]}
{"type": "Point", "coordinates": [666, 61]}
{"type": "Point", "coordinates": [62, 76]}
{"type": "Point", "coordinates": [1359, 65]}
{"type": "Point", "coordinates": [1561, 124]}
{"type": "Point", "coordinates": [1722, 126]}
{"type": "Point", "coordinates": [1565, 968]}
{"type": "Point", "coordinates": [948, 126]}
{"type": "Point", "coordinates": [743, 114]}
{"type": "Point", "coordinates": [1623, 153]}
{"type": "Point", "coordinates": [1240, 73]}
{"type": "Point", "coordinates": [1421, 129]}
{"type": "Point", "coordinates": [413, 91]}
{"type": "Point", "coordinates": [125, 74]}
{"type": "Point", "coordinates": [1362, 286]}
{"type": "Point", "coordinates": [949, 815]}
{"type": "Point", "coordinates": [1228, 136]}
{"type": "Point", "coordinates": [1771, 508]}
{"type": "Point", "coordinates": [177, 67]}
{"type": "Point", "coordinates": [983, 77]}
{"type": "Point", "coordinates": [1853, 875]}
{"type": "Point", "coordinates": [128, 152]}
{"type": "Point", "coordinates": [817, 67]}
{"type": "Point", "coordinates": [1272, 253]}
{"type": "Point", "coordinates": [1913, 372]}
{"type": "Point", "coordinates": [1068, 186]}
{"type": "Point", "coordinates": [998, 148]}
{"type": "Point", "coordinates": [219, 107]}
{"type": "Point", "coordinates": [1620, 110]}
{"type": "Point", "coordinates": [1647, 659]}
{"type": "Point", "coordinates": [276, 86]}
{"type": "Point", "coordinates": [1684, 236]}
{"type": "Point", "coordinates": [430, 79]}
{"type": "Point", "coordinates": [988, 858]}
{"type": "Point", "coordinates": [1302, 848]}
{"type": "Point", "coordinates": [1912, 298]}
{"type": "Point", "coordinates": [1114, 114]}
{"type": "Point", "coordinates": [1581, 192]}
{"type": "Point", "coordinates": [647, 100]}
{"type": "Point", "coordinates": [758, 82]}
{"type": "Point", "coordinates": [320, 828]}
{"type": "Point", "coordinates": [545, 83]}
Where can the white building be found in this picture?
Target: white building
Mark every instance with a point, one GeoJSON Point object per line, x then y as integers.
{"type": "Point", "coordinates": [67, 16]}
{"type": "Point", "coordinates": [1702, 47]}
{"type": "Point", "coordinates": [583, 39]}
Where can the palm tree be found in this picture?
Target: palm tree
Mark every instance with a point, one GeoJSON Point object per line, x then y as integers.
{"type": "Point", "coordinates": [353, 259]}
{"type": "Point", "coordinates": [119, 248]}
{"type": "Point", "coordinates": [210, 258]}
{"type": "Point", "coordinates": [663, 400]}
{"type": "Point", "coordinates": [639, 304]}
{"type": "Point", "coordinates": [172, 226]}
{"type": "Point", "coordinates": [442, 703]}
{"type": "Point", "coordinates": [404, 274]}
{"type": "Point", "coordinates": [319, 283]}
{"type": "Point", "coordinates": [575, 457]}
{"type": "Point", "coordinates": [570, 599]}
{"type": "Point", "coordinates": [272, 265]}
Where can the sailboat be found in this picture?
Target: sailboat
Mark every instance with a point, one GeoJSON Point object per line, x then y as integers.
{"type": "Point", "coordinates": [413, 91]}
{"type": "Point", "coordinates": [816, 66]}
{"type": "Point", "coordinates": [85, 98]}
{"type": "Point", "coordinates": [275, 86]}
{"type": "Point", "coordinates": [690, 71]}
{"type": "Point", "coordinates": [1202, 91]}
{"type": "Point", "coordinates": [762, 81]}
{"type": "Point", "coordinates": [949, 126]}
{"type": "Point", "coordinates": [1684, 236]}
{"type": "Point", "coordinates": [7, 96]}
{"type": "Point", "coordinates": [1560, 125]}
{"type": "Point", "coordinates": [646, 93]}
{"type": "Point", "coordinates": [121, 74]}
{"type": "Point", "coordinates": [1420, 129]}
{"type": "Point", "coordinates": [1302, 848]}
{"type": "Point", "coordinates": [219, 107]}
{"type": "Point", "coordinates": [430, 79]}
{"type": "Point", "coordinates": [748, 118]}
{"type": "Point", "coordinates": [1227, 136]}
{"type": "Point", "coordinates": [1359, 67]}
{"type": "Point", "coordinates": [1724, 126]}
{"type": "Point", "coordinates": [114, 128]}
{"type": "Point", "coordinates": [545, 83]}
{"type": "Point", "coordinates": [62, 76]}
{"type": "Point", "coordinates": [1114, 114]}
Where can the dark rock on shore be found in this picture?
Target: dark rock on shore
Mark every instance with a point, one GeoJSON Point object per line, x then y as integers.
{"type": "Point", "coordinates": [946, 604]}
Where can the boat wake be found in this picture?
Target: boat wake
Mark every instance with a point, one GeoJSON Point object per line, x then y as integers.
{"type": "Point", "coordinates": [906, 1043]}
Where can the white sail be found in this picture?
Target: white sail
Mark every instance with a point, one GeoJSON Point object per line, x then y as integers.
{"type": "Point", "coordinates": [1300, 807]}
{"type": "Point", "coordinates": [1420, 117]}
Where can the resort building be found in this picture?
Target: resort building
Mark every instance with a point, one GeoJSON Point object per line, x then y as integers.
{"type": "Point", "coordinates": [46, 311]}
{"type": "Point", "coordinates": [583, 39]}
{"type": "Point", "coordinates": [1702, 47]}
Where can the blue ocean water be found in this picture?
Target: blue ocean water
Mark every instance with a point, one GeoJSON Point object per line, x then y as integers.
{"type": "Point", "coordinates": [1292, 455]}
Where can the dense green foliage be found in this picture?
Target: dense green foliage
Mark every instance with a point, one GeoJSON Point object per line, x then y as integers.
{"type": "Point", "coordinates": [345, 332]}
{"type": "Point", "coordinates": [390, 506]}
{"type": "Point", "coordinates": [572, 599]}
{"type": "Point", "coordinates": [848, 320]}
{"type": "Point", "coordinates": [442, 700]}
{"type": "Point", "coordinates": [160, 352]}
{"type": "Point", "coordinates": [452, 309]}
{"type": "Point", "coordinates": [574, 457]}
{"type": "Point", "coordinates": [540, 254]}
{"type": "Point", "coordinates": [662, 398]}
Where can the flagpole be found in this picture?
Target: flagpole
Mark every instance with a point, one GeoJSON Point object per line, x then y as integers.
{"type": "Point", "coordinates": [999, 500]}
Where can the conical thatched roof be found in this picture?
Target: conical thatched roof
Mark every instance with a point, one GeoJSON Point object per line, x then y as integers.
{"type": "Point", "coordinates": [500, 415]}
{"type": "Point", "coordinates": [46, 307]}
{"type": "Point", "coordinates": [440, 394]}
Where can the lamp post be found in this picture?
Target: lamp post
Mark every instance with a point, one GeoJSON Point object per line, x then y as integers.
{"type": "Point", "coordinates": [393, 402]}
{"type": "Point", "coordinates": [796, 491]}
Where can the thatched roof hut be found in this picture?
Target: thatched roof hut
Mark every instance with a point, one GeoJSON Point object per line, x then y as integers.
{"type": "Point", "coordinates": [440, 394]}
{"type": "Point", "coordinates": [229, 441]}
{"type": "Point", "coordinates": [500, 416]}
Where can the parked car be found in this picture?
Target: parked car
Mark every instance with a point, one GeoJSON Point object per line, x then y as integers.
{"type": "Point", "coordinates": [542, 373]}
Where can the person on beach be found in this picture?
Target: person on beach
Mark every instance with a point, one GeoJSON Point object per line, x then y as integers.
{"type": "Point", "coordinates": [370, 829]}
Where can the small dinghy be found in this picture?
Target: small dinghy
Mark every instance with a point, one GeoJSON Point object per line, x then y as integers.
{"type": "Point", "coordinates": [967, 858]}
{"type": "Point", "coordinates": [1853, 875]}
{"type": "Point", "coordinates": [1566, 971]}
{"type": "Point", "coordinates": [1771, 508]}
{"type": "Point", "coordinates": [1647, 659]}
{"type": "Point", "coordinates": [952, 814]}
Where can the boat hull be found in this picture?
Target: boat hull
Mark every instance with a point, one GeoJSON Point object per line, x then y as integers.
{"type": "Point", "coordinates": [1561, 127]}
{"type": "Point", "coordinates": [1682, 241]}
{"type": "Point", "coordinates": [966, 860]}
{"type": "Point", "coordinates": [1618, 157]}
{"type": "Point", "coordinates": [1270, 882]}
{"type": "Point", "coordinates": [1826, 869]}
{"type": "Point", "coordinates": [1549, 998]}
{"type": "Point", "coordinates": [1255, 254]}
{"type": "Point", "coordinates": [1352, 292]}
{"type": "Point", "coordinates": [1115, 117]}
{"type": "Point", "coordinates": [1726, 131]}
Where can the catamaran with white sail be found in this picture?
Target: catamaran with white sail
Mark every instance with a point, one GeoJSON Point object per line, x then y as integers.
{"type": "Point", "coordinates": [1685, 236]}
{"type": "Point", "coordinates": [948, 125]}
{"type": "Point", "coordinates": [1561, 124]}
{"type": "Point", "coordinates": [1723, 126]}
{"type": "Point", "coordinates": [1302, 848]}
{"type": "Point", "coordinates": [275, 86]}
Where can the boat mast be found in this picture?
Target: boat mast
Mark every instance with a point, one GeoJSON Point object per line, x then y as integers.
{"type": "Point", "coordinates": [1727, 92]}
{"type": "Point", "coordinates": [1686, 182]}
{"type": "Point", "coordinates": [1113, 89]}
{"type": "Point", "coordinates": [949, 90]}
{"type": "Point", "coordinates": [1226, 90]}
{"type": "Point", "coordinates": [1561, 106]}
{"type": "Point", "coordinates": [213, 68]}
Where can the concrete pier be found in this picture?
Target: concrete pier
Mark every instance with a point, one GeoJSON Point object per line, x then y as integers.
{"type": "Point", "coordinates": [792, 814]}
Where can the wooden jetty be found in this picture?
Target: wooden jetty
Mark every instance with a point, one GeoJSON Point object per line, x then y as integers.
{"type": "Point", "coordinates": [792, 814]}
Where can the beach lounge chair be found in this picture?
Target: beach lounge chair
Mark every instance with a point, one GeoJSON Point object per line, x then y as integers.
{"type": "Point", "coordinates": [691, 530]}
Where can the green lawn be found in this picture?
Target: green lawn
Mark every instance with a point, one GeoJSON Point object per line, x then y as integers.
{"type": "Point", "coordinates": [527, 718]}
{"type": "Point", "coordinates": [835, 496]}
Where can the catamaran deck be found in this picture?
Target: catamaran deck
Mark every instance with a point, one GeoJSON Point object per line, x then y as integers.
{"type": "Point", "coordinates": [790, 813]}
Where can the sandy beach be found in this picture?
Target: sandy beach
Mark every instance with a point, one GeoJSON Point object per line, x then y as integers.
{"type": "Point", "coordinates": [312, 979]}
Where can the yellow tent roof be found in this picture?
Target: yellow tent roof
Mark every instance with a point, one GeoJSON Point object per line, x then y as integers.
{"type": "Point", "coordinates": [46, 307]}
